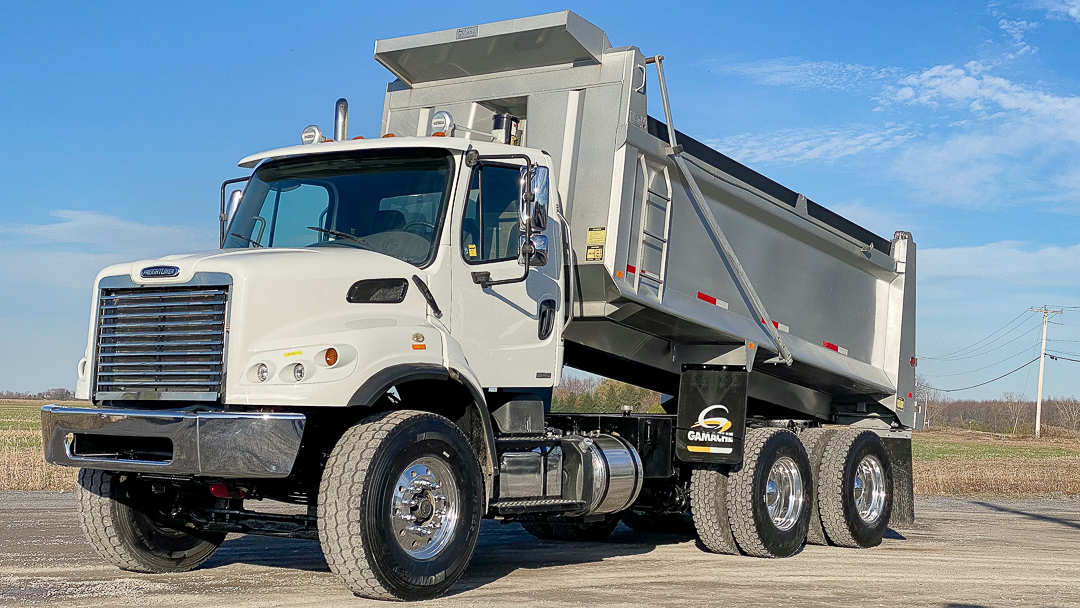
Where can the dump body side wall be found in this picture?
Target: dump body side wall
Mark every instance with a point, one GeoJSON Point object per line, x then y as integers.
{"type": "Point", "coordinates": [645, 259]}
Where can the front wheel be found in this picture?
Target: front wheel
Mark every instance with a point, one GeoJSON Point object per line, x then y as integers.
{"type": "Point", "coordinates": [400, 505]}
{"type": "Point", "coordinates": [121, 518]}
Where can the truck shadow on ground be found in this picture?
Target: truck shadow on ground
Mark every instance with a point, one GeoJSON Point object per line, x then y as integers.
{"type": "Point", "coordinates": [501, 550]}
{"type": "Point", "coordinates": [1035, 516]}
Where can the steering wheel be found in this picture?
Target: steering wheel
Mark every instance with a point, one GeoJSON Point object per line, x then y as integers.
{"type": "Point", "coordinates": [423, 223]}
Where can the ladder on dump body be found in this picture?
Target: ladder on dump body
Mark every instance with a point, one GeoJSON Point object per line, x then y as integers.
{"type": "Point", "coordinates": [655, 223]}
{"type": "Point", "coordinates": [674, 151]}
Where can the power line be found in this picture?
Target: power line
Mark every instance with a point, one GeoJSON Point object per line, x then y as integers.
{"type": "Point", "coordinates": [999, 330]}
{"type": "Point", "coordinates": [1034, 328]}
{"type": "Point", "coordinates": [953, 390]}
{"type": "Point", "coordinates": [979, 369]}
{"type": "Point", "coordinates": [1059, 358]}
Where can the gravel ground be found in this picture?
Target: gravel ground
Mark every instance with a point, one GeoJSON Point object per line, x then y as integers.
{"type": "Point", "coordinates": [961, 553]}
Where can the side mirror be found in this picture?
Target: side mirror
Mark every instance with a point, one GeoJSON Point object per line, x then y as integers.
{"type": "Point", "coordinates": [538, 256]}
{"type": "Point", "coordinates": [234, 204]}
{"type": "Point", "coordinates": [533, 207]}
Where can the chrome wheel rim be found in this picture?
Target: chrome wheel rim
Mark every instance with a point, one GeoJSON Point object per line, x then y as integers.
{"type": "Point", "coordinates": [869, 490]}
{"type": "Point", "coordinates": [784, 493]}
{"type": "Point", "coordinates": [424, 508]}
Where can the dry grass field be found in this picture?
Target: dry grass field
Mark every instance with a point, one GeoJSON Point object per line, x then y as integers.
{"type": "Point", "coordinates": [947, 462]}
{"type": "Point", "coordinates": [952, 462]}
{"type": "Point", "coordinates": [22, 462]}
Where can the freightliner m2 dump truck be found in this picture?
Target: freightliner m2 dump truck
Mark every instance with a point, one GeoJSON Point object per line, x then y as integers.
{"type": "Point", "coordinates": [380, 333]}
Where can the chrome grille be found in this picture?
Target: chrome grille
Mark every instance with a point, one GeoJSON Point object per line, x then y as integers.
{"type": "Point", "coordinates": [161, 342]}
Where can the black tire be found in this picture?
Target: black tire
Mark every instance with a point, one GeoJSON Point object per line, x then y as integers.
{"type": "Point", "coordinates": [753, 528]}
{"type": "Point", "coordinates": [356, 498]}
{"type": "Point", "coordinates": [587, 533]}
{"type": "Point", "coordinates": [659, 523]}
{"type": "Point", "coordinates": [120, 524]}
{"type": "Point", "coordinates": [709, 506]}
{"type": "Point", "coordinates": [814, 442]}
{"type": "Point", "coordinates": [840, 517]}
{"type": "Point", "coordinates": [539, 529]}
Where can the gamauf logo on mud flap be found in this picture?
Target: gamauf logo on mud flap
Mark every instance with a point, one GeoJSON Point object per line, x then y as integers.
{"type": "Point", "coordinates": [714, 430]}
{"type": "Point", "coordinates": [154, 272]}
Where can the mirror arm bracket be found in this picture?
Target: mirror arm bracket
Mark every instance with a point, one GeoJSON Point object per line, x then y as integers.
{"type": "Point", "coordinates": [483, 279]}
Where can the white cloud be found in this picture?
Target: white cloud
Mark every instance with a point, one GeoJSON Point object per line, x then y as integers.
{"type": "Point", "coordinates": [1020, 149]}
{"type": "Point", "coordinates": [983, 94]}
{"type": "Point", "coordinates": [106, 232]}
{"type": "Point", "coordinates": [805, 145]}
{"type": "Point", "coordinates": [1016, 30]}
{"type": "Point", "coordinates": [801, 74]}
{"type": "Point", "coordinates": [1062, 10]}
{"type": "Point", "coordinates": [1010, 263]}
{"type": "Point", "coordinates": [46, 280]}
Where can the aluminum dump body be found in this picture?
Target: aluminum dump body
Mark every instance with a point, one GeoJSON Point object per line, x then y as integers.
{"type": "Point", "coordinates": [653, 291]}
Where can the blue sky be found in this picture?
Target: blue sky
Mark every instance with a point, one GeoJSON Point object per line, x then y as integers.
{"type": "Point", "coordinates": [957, 121]}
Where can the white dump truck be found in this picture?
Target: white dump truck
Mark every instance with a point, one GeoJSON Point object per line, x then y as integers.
{"type": "Point", "coordinates": [380, 333]}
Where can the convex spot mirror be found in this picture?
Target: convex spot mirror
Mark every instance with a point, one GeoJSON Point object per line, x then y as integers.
{"type": "Point", "coordinates": [234, 204]}
{"type": "Point", "coordinates": [533, 208]}
{"type": "Point", "coordinates": [539, 254]}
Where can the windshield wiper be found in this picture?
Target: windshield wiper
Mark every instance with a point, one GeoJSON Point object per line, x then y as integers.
{"type": "Point", "coordinates": [240, 236]}
{"type": "Point", "coordinates": [343, 235]}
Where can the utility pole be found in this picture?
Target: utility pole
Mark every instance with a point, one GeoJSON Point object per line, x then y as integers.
{"type": "Point", "coordinates": [1042, 365]}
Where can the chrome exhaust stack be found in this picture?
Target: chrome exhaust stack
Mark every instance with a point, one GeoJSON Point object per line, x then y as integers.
{"type": "Point", "coordinates": [341, 120]}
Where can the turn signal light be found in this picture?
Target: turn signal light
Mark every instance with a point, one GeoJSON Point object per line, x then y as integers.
{"type": "Point", "coordinates": [331, 357]}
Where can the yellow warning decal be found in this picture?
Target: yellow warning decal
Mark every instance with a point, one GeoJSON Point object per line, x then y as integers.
{"type": "Point", "coordinates": [472, 250]}
{"type": "Point", "coordinates": [294, 353]}
{"type": "Point", "coordinates": [597, 236]}
{"type": "Point", "coordinates": [899, 404]}
{"type": "Point", "coordinates": [594, 253]}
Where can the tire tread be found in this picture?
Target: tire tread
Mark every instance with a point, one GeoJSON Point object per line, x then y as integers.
{"type": "Point", "coordinates": [741, 494]}
{"type": "Point", "coordinates": [709, 496]}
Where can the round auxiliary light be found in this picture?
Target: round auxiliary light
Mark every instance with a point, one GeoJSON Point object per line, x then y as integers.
{"type": "Point", "coordinates": [331, 357]}
{"type": "Point", "coordinates": [262, 372]}
{"type": "Point", "coordinates": [298, 372]}
{"type": "Point", "coordinates": [312, 135]}
{"type": "Point", "coordinates": [442, 123]}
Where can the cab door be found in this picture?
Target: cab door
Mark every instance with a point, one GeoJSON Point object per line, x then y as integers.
{"type": "Point", "coordinates": [510, 334]}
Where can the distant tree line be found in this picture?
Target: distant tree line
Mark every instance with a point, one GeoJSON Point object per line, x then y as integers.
{"type": "Point", "coordinates": [54, 394]}
{"type": "Point", "coordinates": [591, 395]}
{"type": "Point", "coordinates": [1013, 413]}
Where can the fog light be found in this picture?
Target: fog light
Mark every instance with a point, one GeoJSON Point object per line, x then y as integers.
{"type": "Point", "coordinates": [298, 372]}
{"type": "Point", "coordinates": [331, 357]}
{"type": "Point", "coordinates": [262, 372]}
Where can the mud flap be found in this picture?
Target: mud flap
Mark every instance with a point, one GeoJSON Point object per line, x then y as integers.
{"type": "Point", "coordinates": [712, 414]}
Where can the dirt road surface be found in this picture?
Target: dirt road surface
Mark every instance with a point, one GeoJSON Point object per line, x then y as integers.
{"type": "Point", "coordinates": [960, 554]}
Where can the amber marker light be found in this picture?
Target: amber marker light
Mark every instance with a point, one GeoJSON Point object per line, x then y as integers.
{"type": "Point", "coordinates": [331, 357]}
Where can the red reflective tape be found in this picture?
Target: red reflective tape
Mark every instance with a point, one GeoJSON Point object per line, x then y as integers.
{"type": "Point", "coordinates": [631, 269]}
{"type": "Point", "coordinates": [707, 298]}
{"type": "Point", "coordinates": [831, 346]}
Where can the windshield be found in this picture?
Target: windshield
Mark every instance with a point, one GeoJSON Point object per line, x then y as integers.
{"type": "Point", "coordinates": [387, 201]}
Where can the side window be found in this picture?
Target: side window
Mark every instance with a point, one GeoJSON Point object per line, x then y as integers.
{"type": "Point", "coordinates": [489, 230]}
{"type": "Point", "coordinates": [293, 209]}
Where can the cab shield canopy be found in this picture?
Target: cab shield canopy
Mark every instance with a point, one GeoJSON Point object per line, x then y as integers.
{"type": "Point", "coordinates": [531, 42]}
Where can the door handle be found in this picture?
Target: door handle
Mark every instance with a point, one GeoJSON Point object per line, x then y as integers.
{"type": "Point", "coordinates": [546, 318]}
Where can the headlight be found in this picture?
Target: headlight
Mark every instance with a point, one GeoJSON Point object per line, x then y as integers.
{"type": "Point", "coordinates": [262, 372]}
{"type": "Point", "coordinates": [298, 372]}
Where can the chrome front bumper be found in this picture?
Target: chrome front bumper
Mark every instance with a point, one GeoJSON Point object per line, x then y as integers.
{"type": "Point", "coordinates": [217, 444]}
